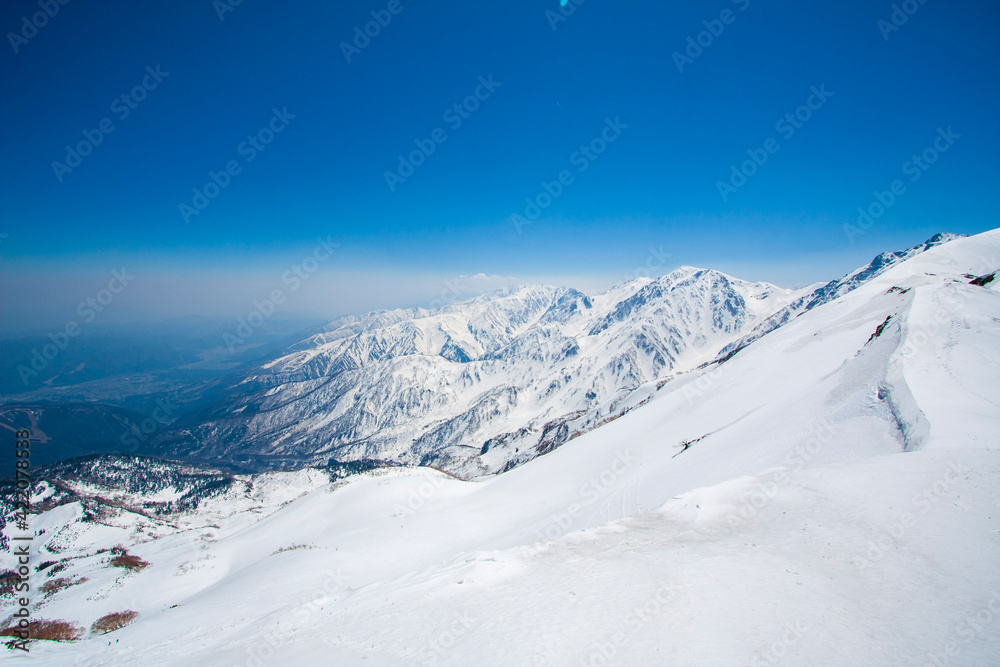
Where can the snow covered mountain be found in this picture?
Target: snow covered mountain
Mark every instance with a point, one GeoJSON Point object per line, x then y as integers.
{"type": "Point", "coordinates": [481, 386]}
{"type": "Point", "coordinates": [833, 289]}
{"type": "Point", "coordinates": [826, 496]}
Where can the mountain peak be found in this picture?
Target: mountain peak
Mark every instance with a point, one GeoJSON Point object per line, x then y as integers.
{"type": "Point", "coordinates": [685, 271]}
{"type": "Point", "coordinates": [939, 239]}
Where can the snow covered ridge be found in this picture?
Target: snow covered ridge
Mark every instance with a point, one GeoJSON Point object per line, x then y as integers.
{"type": "Point", "coordinates": [834, 289]}
{"type": "Point", "coordinates": [827, 496]}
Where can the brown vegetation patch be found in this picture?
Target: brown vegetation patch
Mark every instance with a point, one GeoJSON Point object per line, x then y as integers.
{"type": "Point", "coordinates": [128, 561]}
{"type": "Point", "coordinates": [56, 585]}
{"type": "Point", "coordinates": [294, 547]}
{"type": "Point", "coordinates": [112, 622]}
{"type": "Point", "coordinates": [7, 580]}
{"type": "Point", "coordinates": [56, 631]}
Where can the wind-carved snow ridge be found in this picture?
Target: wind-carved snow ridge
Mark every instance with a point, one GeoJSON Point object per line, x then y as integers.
{"type": "Point", "coordinates": [914, 429]}
{"type": "Point", "coordinates": [886, 343]}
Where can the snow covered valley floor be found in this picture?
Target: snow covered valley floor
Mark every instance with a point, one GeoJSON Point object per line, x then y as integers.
{"type": "Point", "coordinates": [829, 495]}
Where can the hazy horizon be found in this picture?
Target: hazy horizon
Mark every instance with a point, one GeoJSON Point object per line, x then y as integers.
{"type": "Point", "coordinates": [331, 291]}
{"type": "Point", "coordinates": [162, 142]}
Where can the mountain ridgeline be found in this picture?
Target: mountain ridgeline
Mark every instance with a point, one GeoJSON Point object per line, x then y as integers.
{"type": "Point", "coordinates": [482, 386]}
{"type": "Point", "coordinates": [475, 387]}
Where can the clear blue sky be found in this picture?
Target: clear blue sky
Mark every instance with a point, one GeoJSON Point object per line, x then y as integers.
{"type": "Point", "coordinates": [324, 173]}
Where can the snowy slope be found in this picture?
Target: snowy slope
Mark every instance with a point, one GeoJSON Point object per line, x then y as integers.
{"type": "Point", "coordinates": [827, 496]}
{"type": "Point", "coordinates": [835, 288]}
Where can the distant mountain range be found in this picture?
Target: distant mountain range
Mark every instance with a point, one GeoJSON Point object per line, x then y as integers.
{"type": "Point", "coordinates": [484, 385]}
{"type": "Point", "coordinates": [472, 388]}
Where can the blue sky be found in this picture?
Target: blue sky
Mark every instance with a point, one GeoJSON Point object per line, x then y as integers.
{"type": "Point", "coordinates": [323, 175]}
